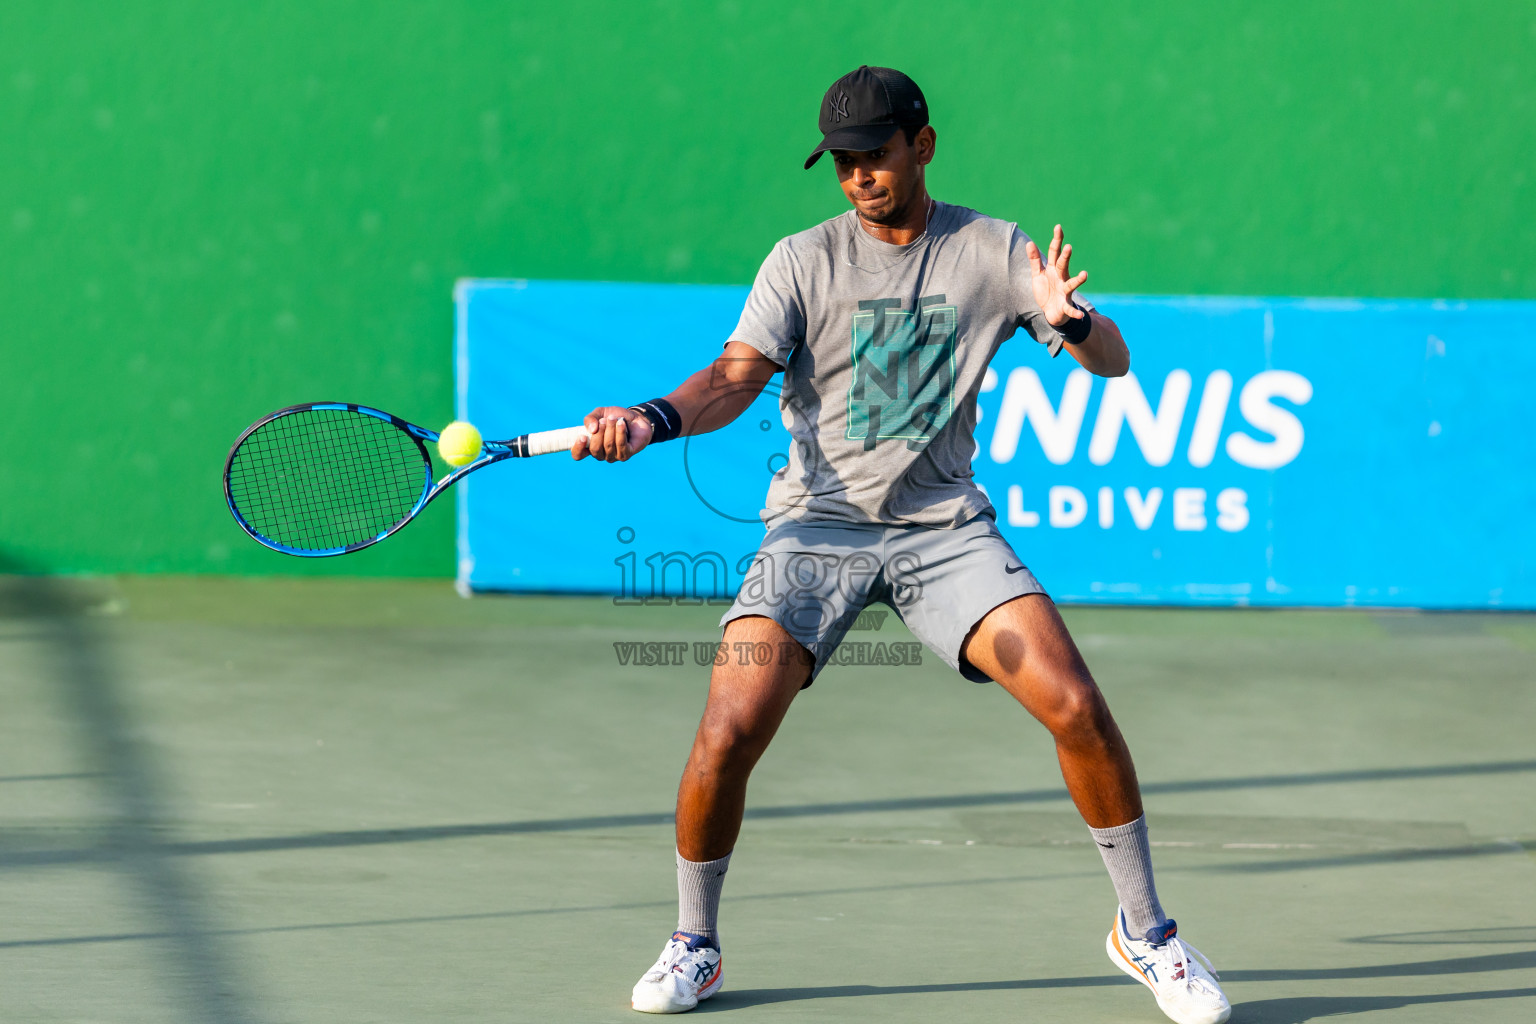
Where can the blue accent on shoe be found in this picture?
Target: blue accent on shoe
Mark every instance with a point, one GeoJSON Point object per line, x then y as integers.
{"type": "Point", "coordinates": [1162, 933]}
{"type": "Point", "coordinates": [698, 941]}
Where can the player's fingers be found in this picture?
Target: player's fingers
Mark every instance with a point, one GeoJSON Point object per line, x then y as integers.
{"type": "Point", "coordinates": [1032, 251]}
{"type": "Point", "coordinates": [592, 419]}
{"type": "Point", "coordinates": [579, 447]}
{"type": "Point", "coordinates": [1065, 261]}
{"type": "Point", "coordinates": [610, 441]}
{"type": "Point", "coordinates": [616, 439]}
{"type": "Point", "coordinates": [622, 429]}
{"type": "Point", "coordinates": [596, 442]}
{"type": "Point", "coordinates": [1055, 246]}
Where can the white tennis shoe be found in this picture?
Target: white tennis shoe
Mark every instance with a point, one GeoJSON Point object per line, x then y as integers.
{"type": "Point", "coordinates": [688, 970]}
{"type": "Point", "coordinates": [1178, 974]}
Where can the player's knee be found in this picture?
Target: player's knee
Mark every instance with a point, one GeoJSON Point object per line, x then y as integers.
{"type": "Point", "coordinates": [1078, 712]}
{"type": "Point", "coordinates": [726, 742]}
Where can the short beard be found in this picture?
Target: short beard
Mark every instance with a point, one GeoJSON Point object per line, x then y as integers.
{"type": "Point", "coordinates": [894, 217]}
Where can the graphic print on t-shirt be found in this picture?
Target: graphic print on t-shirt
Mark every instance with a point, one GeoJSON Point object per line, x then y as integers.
{"type": "Point", "coordinates": [903, 371]}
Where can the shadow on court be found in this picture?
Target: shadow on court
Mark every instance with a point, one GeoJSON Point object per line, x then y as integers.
{"type": "Point", "coordinates": [1420, 968]}
{"type": "Point", "coordinates": [432, 833]}
{"type": "Point", "coordinates": [1295, 1010]}
{"type": "Point", "coordinates": [733, 1000]}
{"type": "Point", "coordinates": [196, 967]}
{"type": "Point", "coordinates": [1292, 1010]}
{"type": "Point", "coordinates": [1456, 936]}
{"type": "Point", "coordinates": [1298, 1009]}
{"type": "Point", "coordinates": [504, 915]}
{"type": "Point", "coordinates": [385, 819]}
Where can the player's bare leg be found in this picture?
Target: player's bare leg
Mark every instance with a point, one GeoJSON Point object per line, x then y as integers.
{"type": "Point", "coordinates": [1025, 646]}
{"type": "Point", "coordinates": [745, 706]}
{"type": "Point", "coordinates": [747, 701]}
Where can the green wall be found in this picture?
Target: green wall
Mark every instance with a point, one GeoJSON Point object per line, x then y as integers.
{"type": "Point", "coordinates": [211, 210]}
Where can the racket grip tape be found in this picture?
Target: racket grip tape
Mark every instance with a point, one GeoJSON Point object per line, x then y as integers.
{"type": "Point", "coordinates": [548, 442]}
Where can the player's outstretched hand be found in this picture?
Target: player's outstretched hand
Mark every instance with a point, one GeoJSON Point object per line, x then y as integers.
{"type": "Point", "coordinates": [616, 434]}
{"type": "Point", "coordinates": [1049, 276]}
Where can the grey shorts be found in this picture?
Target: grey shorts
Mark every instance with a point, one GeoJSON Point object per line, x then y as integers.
{"type": "Point", "coordinates": [815, 578]}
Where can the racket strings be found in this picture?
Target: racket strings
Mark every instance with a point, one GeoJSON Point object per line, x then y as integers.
{"type": "Point", "coordinates": [325, 479]}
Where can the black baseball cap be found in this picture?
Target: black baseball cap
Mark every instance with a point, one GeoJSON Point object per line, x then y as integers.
{"type": "Point", "coordinates": [865, 107]}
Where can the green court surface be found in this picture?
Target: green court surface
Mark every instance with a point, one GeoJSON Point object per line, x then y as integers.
{"type": "Point", "coordinates": [333, 800]}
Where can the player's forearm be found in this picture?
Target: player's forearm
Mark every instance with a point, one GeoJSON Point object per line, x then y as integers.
{"type": "Point", "coordinates": [704, 406]}
{"type": "Point", "coordinates": [706, 401]}
{"type": "Point", "coordinates": [1104, 351]}
{"type": "Point", "coordinates": [717, 394]}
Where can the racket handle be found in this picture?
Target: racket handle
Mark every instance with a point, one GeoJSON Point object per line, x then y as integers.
{"type": "Point", "coordinates": [548, 442]}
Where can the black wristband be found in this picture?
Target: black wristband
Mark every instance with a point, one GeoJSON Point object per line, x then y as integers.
{"type": "Point", "coordinates": [1076, 330]}
{"type": "Point", "coordinates": [666, 424]}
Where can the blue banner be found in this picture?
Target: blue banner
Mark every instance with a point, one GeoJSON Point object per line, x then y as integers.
{"type": "Point", "coordinates": [1261, 452]}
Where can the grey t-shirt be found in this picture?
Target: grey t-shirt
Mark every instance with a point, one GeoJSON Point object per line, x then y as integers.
{"type": "Point", "coordinates": [884, 349]}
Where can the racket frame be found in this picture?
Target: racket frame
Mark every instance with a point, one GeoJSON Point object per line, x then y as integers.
{"type": "Point", "coordinates": [490, 452]}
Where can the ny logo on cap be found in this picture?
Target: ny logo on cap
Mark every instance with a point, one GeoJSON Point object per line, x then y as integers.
{"type": "Point", "coordinates": [837, 107]}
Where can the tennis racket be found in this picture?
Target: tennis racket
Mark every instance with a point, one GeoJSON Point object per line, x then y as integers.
{"type": "Point", "coordinates": [330, 478]}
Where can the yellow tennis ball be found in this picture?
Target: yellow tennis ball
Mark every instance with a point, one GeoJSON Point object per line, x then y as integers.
{"type": "Point", "coordinates": [459, 443]}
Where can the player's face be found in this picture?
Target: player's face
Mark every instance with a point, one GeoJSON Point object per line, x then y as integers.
{"type": "Point", "coordinates": [885, 185]}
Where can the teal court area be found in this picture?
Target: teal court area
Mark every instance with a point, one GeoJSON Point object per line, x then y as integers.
{"type": "Point", "coordinates": [350, 801]}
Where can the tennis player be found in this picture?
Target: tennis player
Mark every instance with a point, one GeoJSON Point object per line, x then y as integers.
{"type": "Point", "coordinates": [883, 321]}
